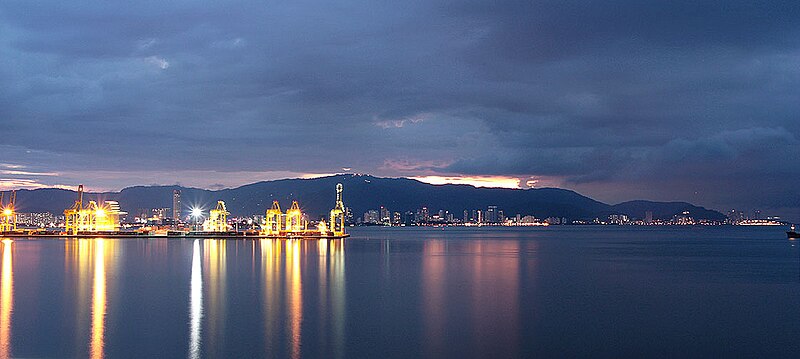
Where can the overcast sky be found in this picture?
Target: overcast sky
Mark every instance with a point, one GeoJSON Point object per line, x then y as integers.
{"type": "Point", "coordinates": [664, 100]}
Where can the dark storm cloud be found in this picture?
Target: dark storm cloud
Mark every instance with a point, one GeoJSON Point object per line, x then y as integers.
{"type": "Point", "coordinates": [602, 95]}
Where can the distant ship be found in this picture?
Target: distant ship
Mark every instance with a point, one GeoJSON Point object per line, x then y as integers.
{"type": "Point", "coordinates": [792, 233]}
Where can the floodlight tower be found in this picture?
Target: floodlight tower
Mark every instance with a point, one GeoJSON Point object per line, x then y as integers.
{"type": "Point", "coordinates": [8, 216]}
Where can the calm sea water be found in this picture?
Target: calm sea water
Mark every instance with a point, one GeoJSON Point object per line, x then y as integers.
{"type": "Point", "coordinates": [453, 292]}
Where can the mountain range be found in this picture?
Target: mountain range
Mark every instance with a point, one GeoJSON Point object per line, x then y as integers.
{"type": "Point", "coordinates": [362, 193]}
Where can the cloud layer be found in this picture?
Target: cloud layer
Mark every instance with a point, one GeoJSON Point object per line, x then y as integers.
{"type": "Point", "coordinates": [679, 100]}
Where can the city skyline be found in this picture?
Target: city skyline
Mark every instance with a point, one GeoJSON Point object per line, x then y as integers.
{"type": "Point", "coordinates": [611, 100]}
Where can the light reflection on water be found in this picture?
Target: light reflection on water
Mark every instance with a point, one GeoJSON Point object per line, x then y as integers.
{"type": "Point", "coordinates": [98, 300]}
{"type": "Point", "coordinates": [491, 275]}
{"type": "Point", "coordinates": [6, 299]}
{"type": "Point", "coordinates": [416, 293]}
{"type": "Point", "coordinates": [195, 302]}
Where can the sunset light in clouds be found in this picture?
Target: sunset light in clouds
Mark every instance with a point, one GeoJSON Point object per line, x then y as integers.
{"type": "Point", "coordinates": [482, 181]}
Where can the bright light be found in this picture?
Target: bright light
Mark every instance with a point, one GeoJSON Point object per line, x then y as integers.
{"type": "Point", "coordinates": [100, 212]}
{"type": "Point", "coordinates": [197, 212]}
{"type": "Point", "coordinates": [477, 181]}
{"type": "Point", "coordinates": [8, 212]}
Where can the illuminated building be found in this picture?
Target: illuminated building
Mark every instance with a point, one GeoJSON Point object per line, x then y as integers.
{"type": "Point", "coordinates": [103, 217]}
{"type": "Point", "coordinates": [161, 213]}
{"type": "Point", "coordinates": [618, 219]}
{"type": "Point", "coordinates": [491, 214]}
{"type": "Point", "coordinates": [176, 204]}
{"type": "Point", "coordinates": [8, 218]}
{"type": "Point", "coordinates": [648, 217]}
{"type": "Point", "coordinates": [41, 219]}
{"type": "Point", "coordinates": [372, 217]}
{"type": "Point", "coordinates": [217, 219]}
{"type": "Point", "coordinates": [348, 215]}
{"type": "Point", "coordinates": [385, 217]}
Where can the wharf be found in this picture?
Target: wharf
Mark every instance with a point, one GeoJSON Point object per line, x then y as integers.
{"type": "Point", "coordinates": [188, 235]}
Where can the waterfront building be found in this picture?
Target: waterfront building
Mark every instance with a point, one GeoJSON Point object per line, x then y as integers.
{"type": "Point", "coordinates": [385, 216]}
{"type": "Point", "coordinates": [371, 217]}
{"type": "Point", "coordinates": [42, 219]}
{"type": "Point", "coordinates": [491, 214]}
{"type": "Point", "coordinates": [648, 217]}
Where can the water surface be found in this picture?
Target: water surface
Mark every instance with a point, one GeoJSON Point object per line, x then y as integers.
{"type": "Point", "coordinates": [408, 292]}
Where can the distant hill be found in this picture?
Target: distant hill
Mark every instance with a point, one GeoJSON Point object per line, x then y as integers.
{"type": "Point", "coordinates": [362, 193]}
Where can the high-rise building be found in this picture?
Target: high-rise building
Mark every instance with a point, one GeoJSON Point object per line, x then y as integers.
{"type": "Point", "coordinates": [348, 215]}
{"type": "Point", "coordinates": [408, 218]}
{"type": "Point", "coordinates": [385, 215]}
{"type": "Point", "coordinates": [176, 204]}
{"type": "Point", "coordinates": [466, 216]}
{"type": "Point", "coordinates": [491, 214]}
{"type": "Point", "coordinates": [648, 217]}
{"type": "Point", "coordinates": [372, 217]}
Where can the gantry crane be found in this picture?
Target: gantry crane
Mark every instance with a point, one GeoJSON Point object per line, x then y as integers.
{"type": "Point", "coordinates": [102, 217]}
{"type": "Point", "coordinates": [217, 219]}
{"type": "Point", "coordinates": [294, 218]}
{"type": "Point", "coordinates": [337, 213]}
{"type": "Point", "coordinates": [272, 221]}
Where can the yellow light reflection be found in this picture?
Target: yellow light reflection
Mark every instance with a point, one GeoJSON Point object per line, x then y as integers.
{"type": "Point", "coordinates": [338, 297]}
{"type": "Point", "coordinates": [215, 254]}
{"type": "Point", "coordinates": [6, 300]}
{"type": "Point", "coordinates": [98, 301]}
{"type": "Point", "coordinates": [196, 303]}
{"type": "Point", "coordinates": [294, 294]}
{"type": "Point", "coordinates": [270, 257]}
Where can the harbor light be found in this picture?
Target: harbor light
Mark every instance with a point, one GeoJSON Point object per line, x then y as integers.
{"type": "Point", "coordinates": [8, 212]}
{"type": "Point", "coordinates": [197, 212]}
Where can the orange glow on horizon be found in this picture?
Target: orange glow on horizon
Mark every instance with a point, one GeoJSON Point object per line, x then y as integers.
{"type": "Point", "coordinates": [477, 181]}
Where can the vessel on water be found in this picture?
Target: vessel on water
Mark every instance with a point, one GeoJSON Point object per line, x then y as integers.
{"type": "Point", "coordinates": [792, 233]}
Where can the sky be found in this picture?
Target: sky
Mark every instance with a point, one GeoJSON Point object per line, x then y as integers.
{"type": "Point", "coordinates": [679, 100]}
